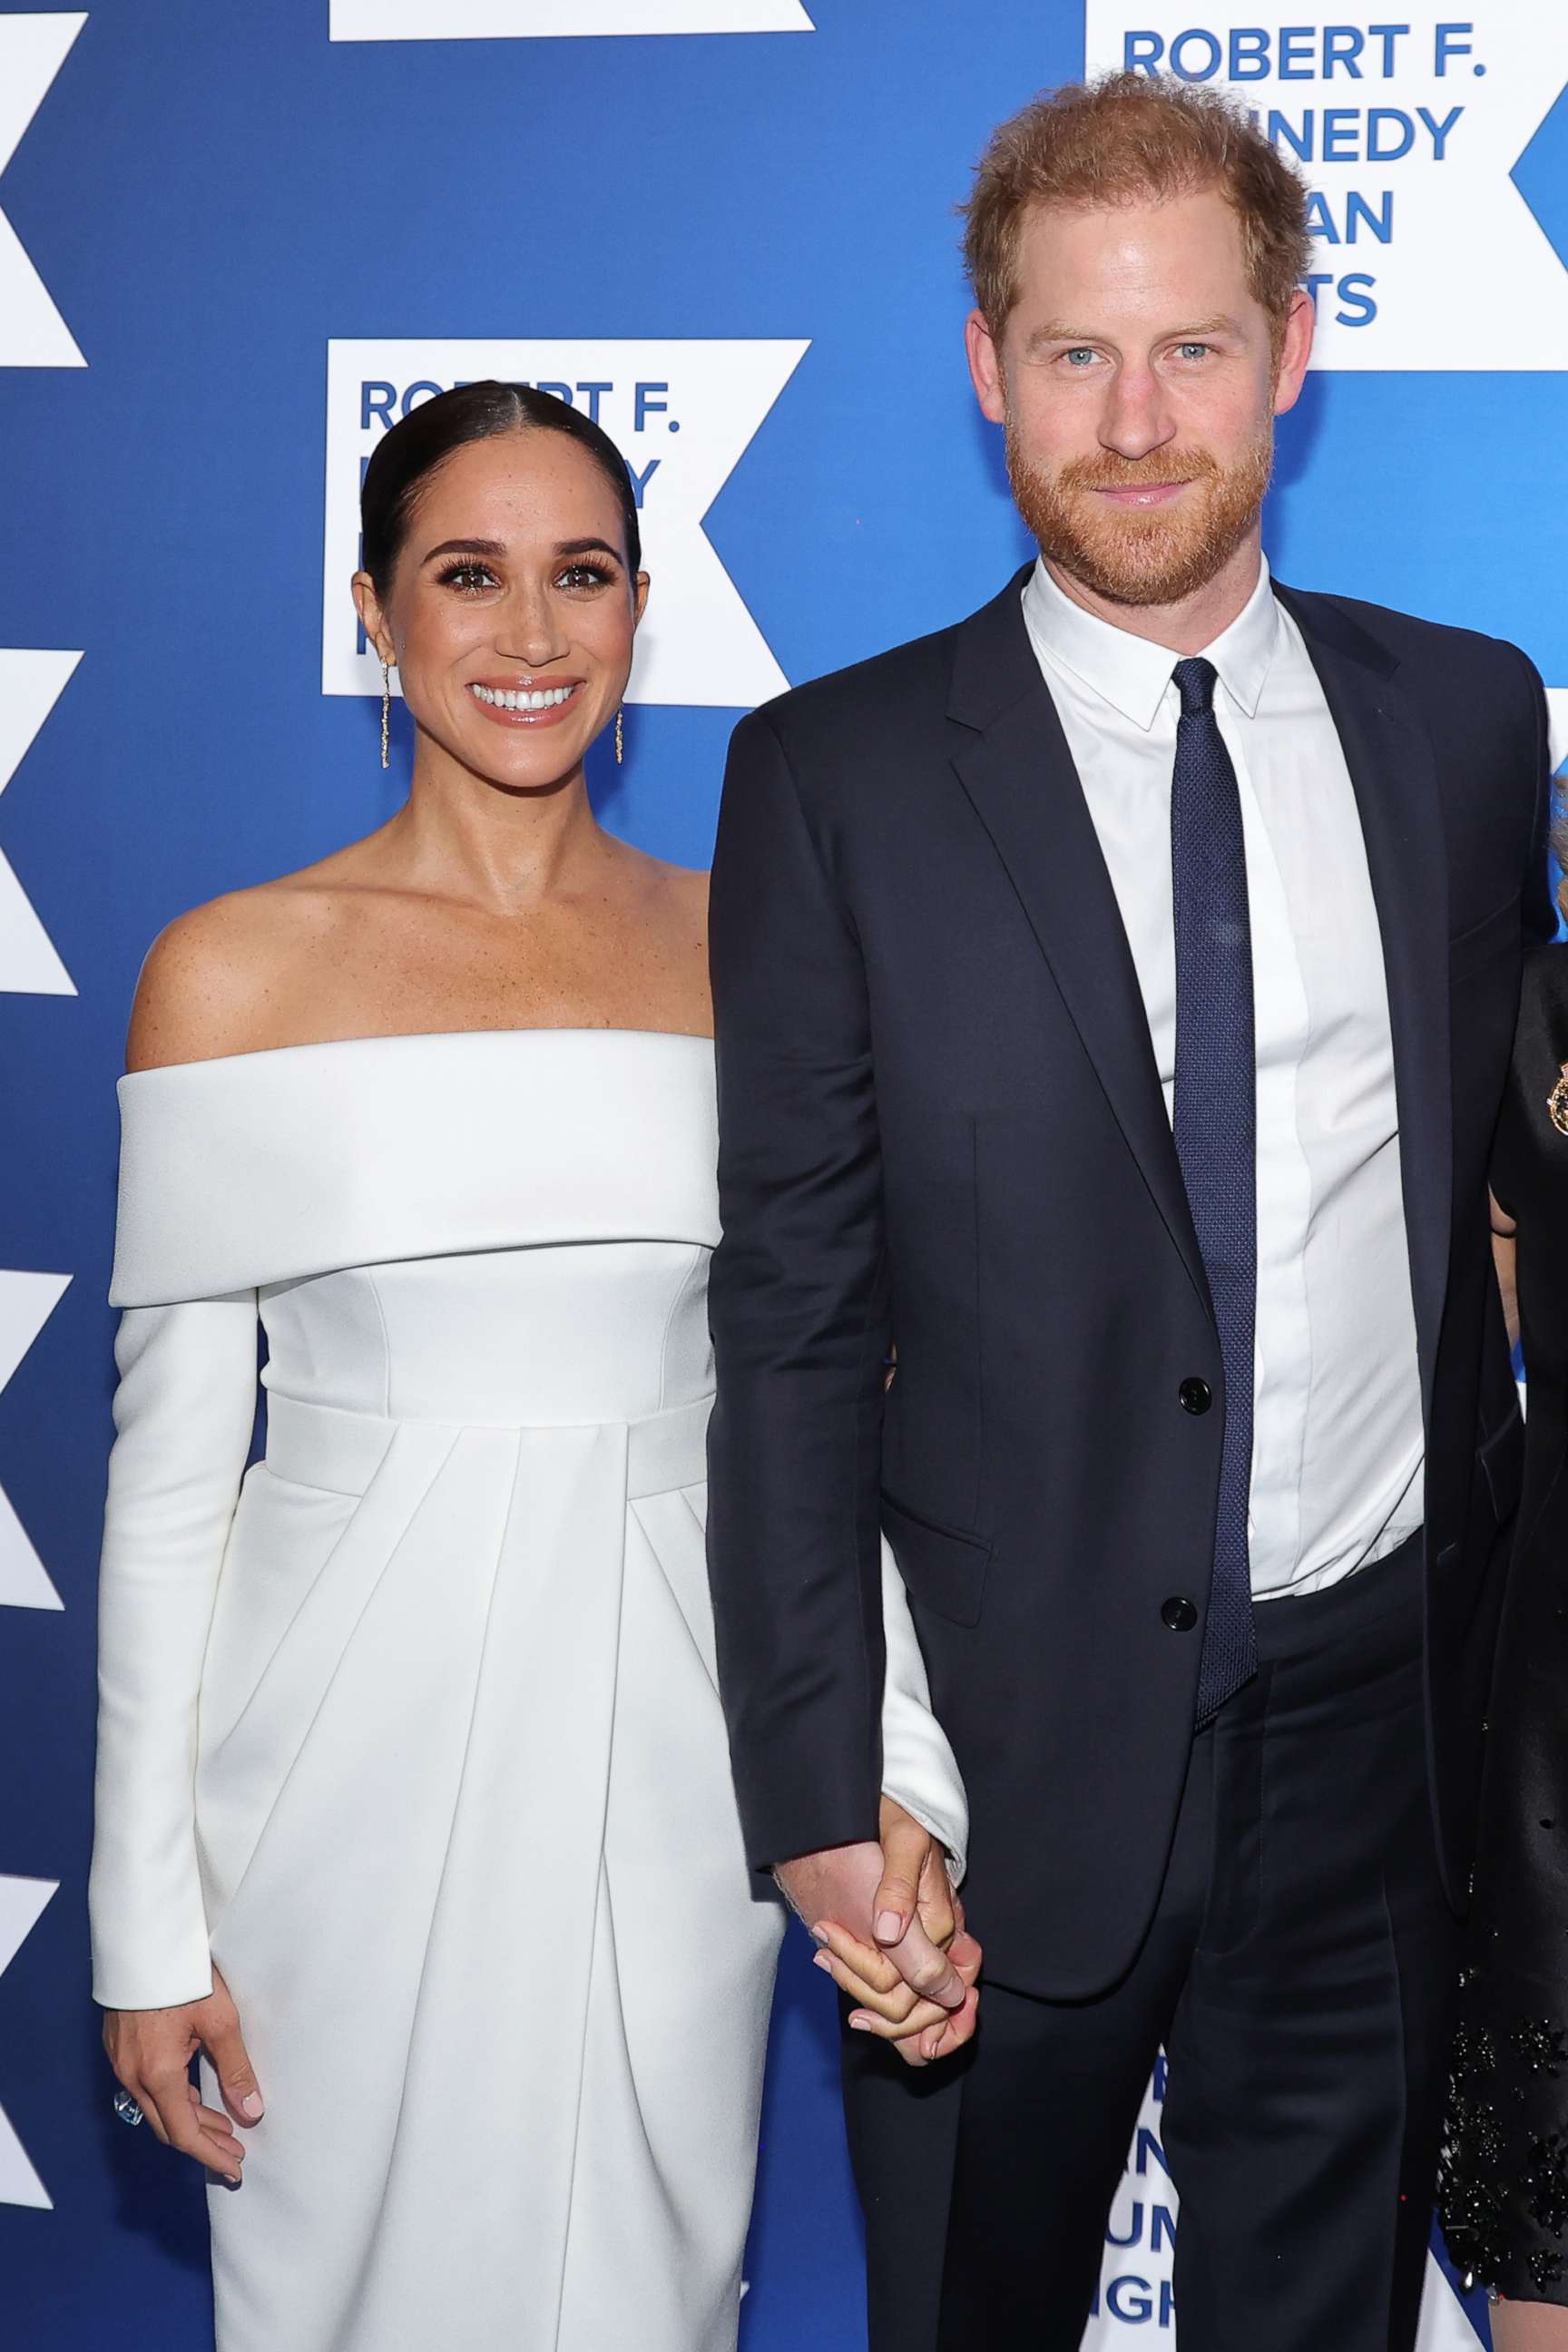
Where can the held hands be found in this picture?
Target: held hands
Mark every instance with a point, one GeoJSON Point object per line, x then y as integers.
{"type": "Point", "coordinates": [151, 2052]}
{"type": "Point", "coordinates": [892, 1936]}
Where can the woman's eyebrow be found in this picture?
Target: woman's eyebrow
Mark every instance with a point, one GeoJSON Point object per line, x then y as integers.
{"type": "Point", "coordinates": [463, 547]}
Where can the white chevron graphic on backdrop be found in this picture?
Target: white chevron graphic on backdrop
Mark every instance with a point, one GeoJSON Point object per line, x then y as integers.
{"type": "Point", "coordinates": [32, 51]}
{"type": "Point", "coordinates": [1557, 706]}
{"type": "Point", "coordinates": [1444, 2327]}
{"type": "Point", "coordinates": [26, 1303]}
{"type": "Point", "coordinates": [31, 683]}
{"type": "Point", "coordinates": [22, 1905]}
{"type": "Point", "coordinates": [521, 20]}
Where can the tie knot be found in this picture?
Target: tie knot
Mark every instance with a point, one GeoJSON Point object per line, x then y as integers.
{"type": "Point", "coordinates": [1195, 679]}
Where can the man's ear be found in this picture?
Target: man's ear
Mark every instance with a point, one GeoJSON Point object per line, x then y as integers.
{"type": "Point", "coordinates": [1295, 349]}
{"type": "Point", "coordinates": [986, 368]}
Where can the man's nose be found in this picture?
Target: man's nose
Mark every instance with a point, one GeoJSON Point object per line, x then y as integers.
{"type": "Point", "coordinates": [1137, 418]}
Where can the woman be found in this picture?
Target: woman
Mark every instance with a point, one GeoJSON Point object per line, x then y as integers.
{"type": "Point", "coordinates": [414, 1808]}
{"type": "Point", "coordinates": [1505, 2192]}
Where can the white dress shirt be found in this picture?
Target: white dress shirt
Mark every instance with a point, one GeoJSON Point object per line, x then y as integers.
{"type": "Point", "coordinates": [1337, 1445]}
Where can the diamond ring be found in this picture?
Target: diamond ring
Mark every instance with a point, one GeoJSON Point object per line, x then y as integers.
{"type": "Point", "coordinates": [126, 2108]}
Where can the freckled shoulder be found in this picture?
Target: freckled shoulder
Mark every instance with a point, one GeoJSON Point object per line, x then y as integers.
{"type": "Point", "coordinates": [208, 985]}
{"type": "Point", "coordinates": [686, 889]}
{"type": "Point", "coordinates": [690, 884]}
{"type": "Point", "coordinates": [671, 919]}
{"type": "Point", "coordinates": [670, 894]}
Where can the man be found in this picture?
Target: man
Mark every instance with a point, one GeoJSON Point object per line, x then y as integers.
{"type": "Point", "coordinates": [1114, 995]}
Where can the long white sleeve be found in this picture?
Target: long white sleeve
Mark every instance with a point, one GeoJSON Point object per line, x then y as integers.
{"type": "Point", "coordinates": [183, 1413]}
{"type": "Point", "coordinates": [919, 1766]}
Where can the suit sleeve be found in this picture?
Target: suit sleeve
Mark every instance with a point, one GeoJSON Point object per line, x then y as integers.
{"type": "Point", "coordinates": [183, 1413]}
{"type": "Point", "coordinates": [799, 1305]}
{"type": "Point", "coordinates": [1539, 910]}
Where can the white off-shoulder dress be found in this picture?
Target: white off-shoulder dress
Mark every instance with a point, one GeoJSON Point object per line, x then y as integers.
{"type": "Point", "coordinates": [411, 1726]}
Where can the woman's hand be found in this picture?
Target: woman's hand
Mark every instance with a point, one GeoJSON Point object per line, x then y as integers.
{"type": "Point", "coordinates": [914, 1888]}
{"type": "Point", "coordinates": [151, 2052]}
{"type": "Point", "coordinates": [885, 2005]}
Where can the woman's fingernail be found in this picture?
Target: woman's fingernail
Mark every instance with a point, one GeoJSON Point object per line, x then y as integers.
{"type": "Point", "coordinates": [861, 2023]}
{"type": "Point", "coordinates": [817, 1936]}
{"type": "Point", "coordinates": [889, 1927]}
{"type": "Point", "coordinates": [254, 2106]}
{"type": "Point", "coordinates": [824, 1961]}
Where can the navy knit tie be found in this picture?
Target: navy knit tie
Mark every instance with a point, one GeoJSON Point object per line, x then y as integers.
{"type": "Point", "coordinates": [1216, 1128]}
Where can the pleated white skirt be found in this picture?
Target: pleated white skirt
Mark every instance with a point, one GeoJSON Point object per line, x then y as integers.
{"type": "Point", "coordinates": [476, 1883]}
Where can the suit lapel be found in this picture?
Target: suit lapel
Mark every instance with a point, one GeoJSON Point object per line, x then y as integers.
{"type": "Point", "coordinates": [1019, 774]}
{"type": "Point", "coordinates": [1389, 755]}
{"type": "Point", "coordinates": [1014, 764]}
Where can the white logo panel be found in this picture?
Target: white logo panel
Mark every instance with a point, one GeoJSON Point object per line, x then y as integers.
{"type": "Point", "coordinates": [26, 1303]}
{"type": "Point", "coordinates": [1557, 711]}
{"type": "Point", "coordinates": [1407, 134]}
{"type": "Point", "coordinates": [683, 415]}
{"type": "Point", "coordinates": [1444, 2327]}
{"type": "Point", "coordinates": [524, 20]}
{"type": "Point", "coordinates": [31, 683]}
{"type": "Point", "coordinates": [32, 51]}
{"type": "Point", "coordinates": [22, 1905]}
{"type": "Point", "coordinates": [1136, 2304]}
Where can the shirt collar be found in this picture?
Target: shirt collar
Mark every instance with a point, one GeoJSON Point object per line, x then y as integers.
{"type": "Point", "coordinates": [1131, 673]}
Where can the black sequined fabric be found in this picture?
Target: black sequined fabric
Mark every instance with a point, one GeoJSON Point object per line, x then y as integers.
{"type": "Point", "coordinates": [1504, 2188]}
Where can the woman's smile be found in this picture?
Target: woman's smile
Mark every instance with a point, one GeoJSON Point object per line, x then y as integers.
{"type": "Point", "coordinates": [522, 705]}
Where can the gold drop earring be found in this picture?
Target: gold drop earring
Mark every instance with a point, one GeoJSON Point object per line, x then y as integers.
{"type": "Point", "coordinates": [620, 735]}
{"type": "Point", "coordinates": [386, 714]}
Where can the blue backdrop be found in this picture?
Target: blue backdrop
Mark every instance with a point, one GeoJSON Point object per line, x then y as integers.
{"type": "Point", "coordinates": [231, 247]}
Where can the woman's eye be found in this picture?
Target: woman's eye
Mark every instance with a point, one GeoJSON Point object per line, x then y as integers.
{"type": "Point", "coordinates": [468, 578]}
{"type": "Point", "coordinates": [585, 576]}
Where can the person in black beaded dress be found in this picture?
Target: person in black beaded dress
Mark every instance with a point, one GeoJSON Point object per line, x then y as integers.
{"type": "Point", "coordinates": [1505, 2187]}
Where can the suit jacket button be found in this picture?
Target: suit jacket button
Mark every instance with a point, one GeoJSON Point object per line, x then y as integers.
{"type": "Point", "coordinates": [1196, 1396]}
{"type": "Point", "coordinates": [1178, 1613]}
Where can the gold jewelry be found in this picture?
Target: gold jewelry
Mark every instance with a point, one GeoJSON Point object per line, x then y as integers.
{"type": "Point", "coordinates": [620, 736]}
{"type": "Point", "coordinates": [1557, 1103]}
{"type": "Point", "coordinates": [386, 713]}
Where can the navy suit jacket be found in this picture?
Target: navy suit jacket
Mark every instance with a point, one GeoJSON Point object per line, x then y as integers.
{"type": "Point", "coordinates": [940, 1125]}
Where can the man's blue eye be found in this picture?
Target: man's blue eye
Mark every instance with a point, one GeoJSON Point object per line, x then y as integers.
{"type": "Point", "coordinates": [1080, 351]}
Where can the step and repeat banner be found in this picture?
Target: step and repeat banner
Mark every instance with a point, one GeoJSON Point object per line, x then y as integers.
{"type": "Point", "coordinates": [235, 244]}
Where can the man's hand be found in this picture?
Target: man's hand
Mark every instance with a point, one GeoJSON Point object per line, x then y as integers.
{"type": "Point", "coordinates": [884, 2006]}
{"type": "Point", "coordinates": [895, 1895]}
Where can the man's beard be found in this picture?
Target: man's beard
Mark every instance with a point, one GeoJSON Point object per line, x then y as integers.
{"type": "Point", "coordinates": [1142, 555]}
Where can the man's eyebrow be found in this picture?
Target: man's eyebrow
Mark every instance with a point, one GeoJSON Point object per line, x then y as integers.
{"type": "Point", "coordinates": [1222, 323]}
{"type": "Point", "coordinates": [1055, 332]}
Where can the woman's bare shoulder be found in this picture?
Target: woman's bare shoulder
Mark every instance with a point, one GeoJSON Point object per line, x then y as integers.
{"type": "Point", "coordinates": [682, 888]}
{"type": "Point", "coordinates": [211, 980]}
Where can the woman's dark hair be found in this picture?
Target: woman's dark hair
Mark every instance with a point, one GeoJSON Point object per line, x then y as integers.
{"type": "Point", "coordinates": [417, 443]}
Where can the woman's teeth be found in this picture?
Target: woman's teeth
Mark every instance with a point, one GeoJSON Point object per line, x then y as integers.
{"type": "Point", "coordinates": [541, 698]}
